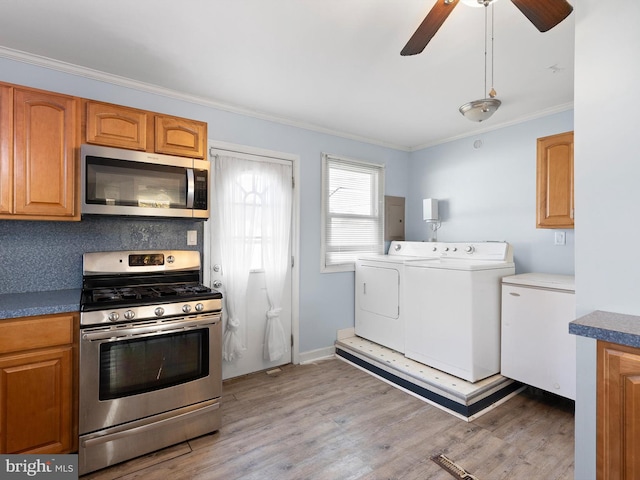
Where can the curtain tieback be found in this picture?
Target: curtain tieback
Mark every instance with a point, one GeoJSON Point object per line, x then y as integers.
{"type": "Point", "coordinates": [274, 312]}
{"type": "Point", "coordinates": [233, 324]}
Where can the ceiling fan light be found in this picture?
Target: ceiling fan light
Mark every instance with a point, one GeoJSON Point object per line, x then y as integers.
{"type": "Point", "coordinates": [477, 3]}
{"type": "Point", "coordinates": [480, 110]}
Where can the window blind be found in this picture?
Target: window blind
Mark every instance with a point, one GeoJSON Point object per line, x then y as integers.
{"type": "Point", "coordinates": [352, 206]}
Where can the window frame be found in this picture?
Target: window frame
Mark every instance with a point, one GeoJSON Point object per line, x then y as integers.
{"type": "Point", "coordinates": [378, 243]}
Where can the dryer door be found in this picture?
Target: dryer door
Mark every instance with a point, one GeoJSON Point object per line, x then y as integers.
{"type": "Point", "coordinates": [378, 290]}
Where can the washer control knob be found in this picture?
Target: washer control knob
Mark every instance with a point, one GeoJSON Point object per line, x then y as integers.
{"type": "Point", "coordinates": [186, 308]}
{"type": "Point", "coordinates": [435, 249]}
{"type": "Point", "coordinates": [159, 311]}
{"type": "Point", "coordinates": [129, 314]}
{"type": "Point", "coordinates": [199, 307]}
{"type": "Point", "coordinates": [446, 249]}
{"type": "Point", "coordinates": [113, 316]}
{"type": "Point", "coordinates": [469, 249]}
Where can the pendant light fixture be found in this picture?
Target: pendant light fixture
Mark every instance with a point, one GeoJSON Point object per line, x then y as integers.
{"type": "Point", "coordinates": [480, 110]}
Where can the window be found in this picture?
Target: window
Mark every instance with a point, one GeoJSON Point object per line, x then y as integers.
{"type": "Point", "coordinates": [352, 211]}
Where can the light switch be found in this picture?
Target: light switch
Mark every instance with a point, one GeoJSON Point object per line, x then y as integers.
{"type": "Point", "coordinates": [192, 237]}
{"type": "Point", "coordinates": [560, 238]}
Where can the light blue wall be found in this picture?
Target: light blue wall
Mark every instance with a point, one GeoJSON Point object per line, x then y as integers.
{"type": "Point", "coordinates": [607, 175]}
{"type": "Point", "coordinates": [489, 193]}
{"type": "Point", "coordinates": [326, 300]}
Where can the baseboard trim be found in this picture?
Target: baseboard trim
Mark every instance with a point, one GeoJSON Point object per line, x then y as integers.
{"type": "Point", "coordinates": [316, 355]}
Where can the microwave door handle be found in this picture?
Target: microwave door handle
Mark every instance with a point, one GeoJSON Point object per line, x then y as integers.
{"type": "Point", "coordinates": [191, 185]}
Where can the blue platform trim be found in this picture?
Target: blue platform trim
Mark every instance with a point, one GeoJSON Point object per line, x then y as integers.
{"type": "Point", "coordinates": [465, 410]}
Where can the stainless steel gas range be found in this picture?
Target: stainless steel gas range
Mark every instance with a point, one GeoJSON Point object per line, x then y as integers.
{"type": "Point", "coordinates": [150, 354]}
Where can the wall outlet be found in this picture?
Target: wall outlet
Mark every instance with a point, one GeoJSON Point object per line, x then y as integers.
{"type": "Point", "coordinates": [192, 237]}
{"type": "Point", "coordinates": [560, 238]}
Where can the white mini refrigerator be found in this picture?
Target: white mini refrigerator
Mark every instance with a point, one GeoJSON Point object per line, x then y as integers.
{"type": "Point", "coordinates": [537, 348]}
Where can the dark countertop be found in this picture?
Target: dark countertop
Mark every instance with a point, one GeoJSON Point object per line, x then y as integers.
{"type": "Point", "coordinates": [13, 305]}
{"type": "Point", "coordinates": [610, 327]}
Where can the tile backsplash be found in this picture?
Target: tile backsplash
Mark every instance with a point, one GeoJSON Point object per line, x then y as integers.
{"type": "Point", "coordinates": [38, 256]}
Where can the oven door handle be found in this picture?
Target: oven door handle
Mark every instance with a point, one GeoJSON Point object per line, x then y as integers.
{"type": "Point", "coordinates": [155, 329]}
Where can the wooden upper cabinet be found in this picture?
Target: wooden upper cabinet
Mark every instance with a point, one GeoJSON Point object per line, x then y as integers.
{"type": "Point", "coordinates": [179, 136]}
{"type": "Point", "coordinates": [133, 129]}
{"type": "Point", "coordinates": [554, 192]}
{"type": "Point", "coordinates": [115, 126]}
{"type": "Point", "coordinates": [6, 149]}
{"type": "Point", "coordinates": [45, 146]}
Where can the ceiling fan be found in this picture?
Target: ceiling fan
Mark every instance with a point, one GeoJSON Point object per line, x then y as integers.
{"type": "Point", "coordinates": [544, 14]}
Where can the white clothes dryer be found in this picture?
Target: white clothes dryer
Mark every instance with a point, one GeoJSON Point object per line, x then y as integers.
{"type": "Point", "coordinates": [379, 292]}
{"type": "Point", "coordinates": [453, 308]}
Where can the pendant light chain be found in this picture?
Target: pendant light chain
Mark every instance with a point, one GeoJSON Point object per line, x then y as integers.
{"type": "Point", "coordinates": [485, 51]}
{"type": "Point", "coordinates": [493, 92]}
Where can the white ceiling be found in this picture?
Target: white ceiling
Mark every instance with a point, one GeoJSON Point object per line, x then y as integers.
{"type": "Point", "coordinates": [331, 65]}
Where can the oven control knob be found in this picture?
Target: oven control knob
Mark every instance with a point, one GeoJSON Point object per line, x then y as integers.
{"type": "Point", "coordinates": [113, 316]}
{"type": "Point", "coordinates": [186, 308]}
{"type": "Point", "coordinates": [129, 314]}
{"type": "Point", "coordinates": [159, 311]}
{"type": "Point", "coordinates": [199, 307]}
{"type": "Point", "coordinates": [469, 249]}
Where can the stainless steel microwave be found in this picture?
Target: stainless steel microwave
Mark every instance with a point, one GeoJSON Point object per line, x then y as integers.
{"type": "Point", "coordinates": [116, 181]}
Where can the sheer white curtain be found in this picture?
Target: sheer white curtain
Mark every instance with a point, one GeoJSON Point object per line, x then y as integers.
{"type": "Point", "coordinates": [236, 223]}
{"type": "Point", "coordinates": [276, 229]}
{"type": "Point", "coordinates": [253, 213]}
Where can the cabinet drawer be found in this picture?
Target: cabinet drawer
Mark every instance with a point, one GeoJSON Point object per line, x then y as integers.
{"type": "Point", "coordinates": [36, 332]}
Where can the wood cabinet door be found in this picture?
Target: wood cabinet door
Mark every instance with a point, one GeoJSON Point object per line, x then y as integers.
{"type": "Point", "coordinates": [618, 412]}
{"type": "Point", "coordinates": [115, 126]}
{"type": "Point", "coordinates": [36, 414]}
{"type": "Point", "coordinates": [6, 149]}
{"type": "Point", "coordinates": [554, 192]}
{"type": "Point", "coordinates": [45, 149]}
{"type": "Point", "coordinates": [179, 136]}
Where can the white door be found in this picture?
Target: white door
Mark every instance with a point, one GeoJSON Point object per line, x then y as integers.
{"type": "Point", "coordinates": [254, 305]}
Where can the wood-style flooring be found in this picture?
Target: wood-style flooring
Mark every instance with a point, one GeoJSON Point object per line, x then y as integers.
{"type": "Point", "coordinates": [330, 420]}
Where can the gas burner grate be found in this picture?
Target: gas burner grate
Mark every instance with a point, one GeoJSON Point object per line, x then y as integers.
{"type": "Point", "coordinates": [103, 295]}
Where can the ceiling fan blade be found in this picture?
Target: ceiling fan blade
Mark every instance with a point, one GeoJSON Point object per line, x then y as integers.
{"type": "Point", "coordinates": [429, 26]}
{"type": "Point", "coordinates": [544, 14]}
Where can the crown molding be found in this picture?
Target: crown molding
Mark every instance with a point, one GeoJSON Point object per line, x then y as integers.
{"type": "Point", "coordinates": [100, 76]}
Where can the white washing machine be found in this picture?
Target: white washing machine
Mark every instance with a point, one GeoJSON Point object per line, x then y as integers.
{"type": "Point", "coordinates": [453, 308]}
{"type": "Point", "coordinates": [379, 292]}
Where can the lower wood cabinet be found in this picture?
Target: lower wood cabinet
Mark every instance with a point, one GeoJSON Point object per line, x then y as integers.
{"type": "Point", "coordinates": [38, 384]}
{"type": "Point", "coordinates": [618, 412]}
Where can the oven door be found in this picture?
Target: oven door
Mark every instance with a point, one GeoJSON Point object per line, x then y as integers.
{"type": "Point", "coordinates": [133, 371]}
